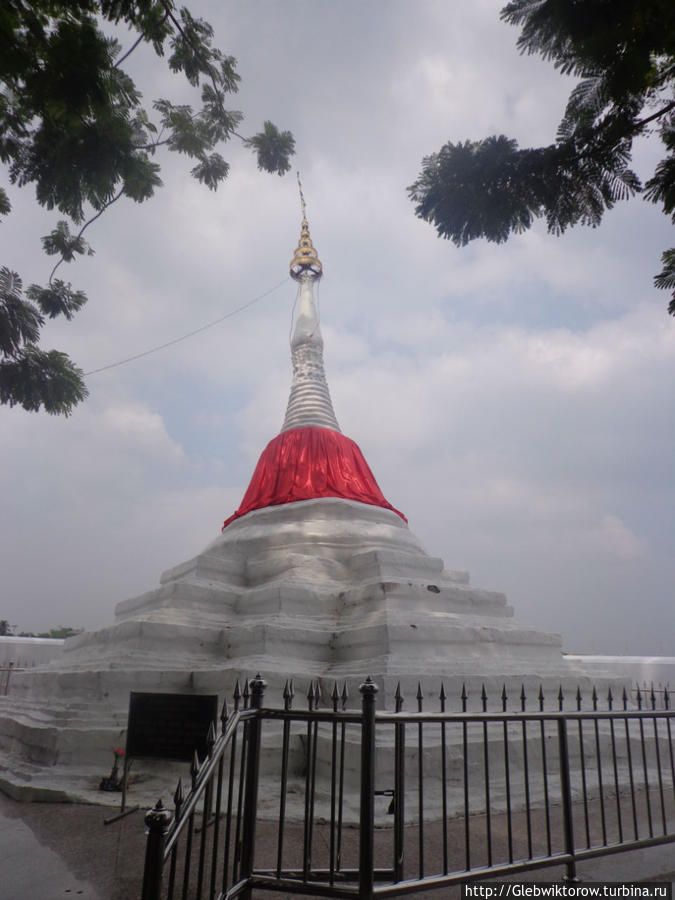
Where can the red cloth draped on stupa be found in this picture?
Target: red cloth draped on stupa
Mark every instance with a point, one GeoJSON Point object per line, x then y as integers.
{"type": "Point", "coordinates": [310, 458]}
{"type": "Point", "coordinates": [307, 463]}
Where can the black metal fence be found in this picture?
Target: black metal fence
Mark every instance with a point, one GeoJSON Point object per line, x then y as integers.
{"type": "Point", "coordinates": [337, 802]}
{"type": "Point", "coordinates": [5, 674]}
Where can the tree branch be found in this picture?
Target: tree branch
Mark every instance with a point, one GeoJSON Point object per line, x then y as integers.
{"type": "Point", "coordinates": [634, 130]}
{"type": "Point", "coordinates": [130, 50]}
{"type": "Point", "coordinates": [152, 145]}
{"type": "Point", "coordinates": [666, 109]}
{"type": "Point", "coordinates": [135, 44]}
{"type": "Point", "coordinates": [86, 225]}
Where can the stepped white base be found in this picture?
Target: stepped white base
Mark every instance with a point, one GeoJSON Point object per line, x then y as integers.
{"type": "Point", "coordinates": [325, 589]}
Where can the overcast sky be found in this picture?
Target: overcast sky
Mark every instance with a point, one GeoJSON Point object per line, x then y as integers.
{"type": "Point", "coordinates": [515, 401]}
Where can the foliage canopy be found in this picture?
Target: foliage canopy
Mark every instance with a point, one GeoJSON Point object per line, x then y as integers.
{"type": "Point", "coordinates": [623, 53]}
{"type": "Point", "coordinates": [73, 125]}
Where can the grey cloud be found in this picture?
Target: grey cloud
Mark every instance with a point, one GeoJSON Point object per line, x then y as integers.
{"type": "Point", "coordinates": [523, 392]}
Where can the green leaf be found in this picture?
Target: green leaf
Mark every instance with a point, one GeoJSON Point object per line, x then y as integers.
{"type": "Point", "coordinates": [211, 171]}
{"type": "Point", "coordinates": [60, 241]}
{"type": "Point", "coordinates": [468, 190]}
{"type": "Point", "coordinates": [192, 53]}
{"type": "Point", "coordinates": [661, 187]}
{"type": "Point", "coordinates": [273, 148]}
{"type": "Point", "coordinates": [36, 378]}
{"type": "Point", "coordinates": [229, 77]}
{"type": "Point", "coordinates": [666, 277]}
{"type": "Point", "coordinates": [59, 299]}
{"type": "Point", "coordinates": [20, 321]}
{"type": "Point", "coordinates": [141, 177]}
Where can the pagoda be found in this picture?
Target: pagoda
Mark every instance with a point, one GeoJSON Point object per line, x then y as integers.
{"type": "Point", "coordinates": [315, 577]}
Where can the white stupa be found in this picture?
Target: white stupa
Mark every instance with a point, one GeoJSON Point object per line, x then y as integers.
{"type": "Point", "coordinates": [315, 576]}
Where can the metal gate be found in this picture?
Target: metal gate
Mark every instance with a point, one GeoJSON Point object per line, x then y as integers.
{"type": "Point", "coordinates": [336, 802]}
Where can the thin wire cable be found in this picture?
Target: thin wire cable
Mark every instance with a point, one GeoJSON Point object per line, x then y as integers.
{"type": "Point", "coordinates": [190, 334]}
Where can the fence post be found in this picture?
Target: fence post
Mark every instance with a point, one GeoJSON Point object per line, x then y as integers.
{"type": "Point", "coordinates": [566, 791]}
{"type": "Point", "coordinates": [157, 822]}
{"type": "Point", "coordinates": [9, 673]}
{"type": "Point", "coordinates": [399, 789]}
{"type": "Point", "coordinates": [367, 816]}
{"type": "Point", "coordinates": [257, 686]}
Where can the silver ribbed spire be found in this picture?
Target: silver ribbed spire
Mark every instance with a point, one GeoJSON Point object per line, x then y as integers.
{"type": "Point", "coordinates": [309, 403]}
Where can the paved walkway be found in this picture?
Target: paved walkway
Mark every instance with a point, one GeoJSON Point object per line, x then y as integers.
{"type": "Point", "coordinates": [62, 850]}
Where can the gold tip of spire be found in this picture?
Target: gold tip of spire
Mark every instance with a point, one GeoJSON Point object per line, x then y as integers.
{"type": "Point", "coordinates": [306, 260]}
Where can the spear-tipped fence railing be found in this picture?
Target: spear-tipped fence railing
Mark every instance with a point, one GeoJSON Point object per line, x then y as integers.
{"type": "Point", "coordinates": [439, 797]}
{"type": "Point", "coordinates": [5, 675]}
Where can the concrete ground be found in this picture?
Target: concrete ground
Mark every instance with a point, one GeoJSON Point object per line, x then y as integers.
{"type": "Point", "coordinates": [64, 850]}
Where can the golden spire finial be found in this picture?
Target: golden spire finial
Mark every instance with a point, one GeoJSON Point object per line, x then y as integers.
{"type": "Point", "coordinates": [306, 260]}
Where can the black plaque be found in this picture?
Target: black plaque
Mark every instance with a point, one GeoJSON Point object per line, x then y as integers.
{"type": "Point", "coordinates": [169, 726]}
